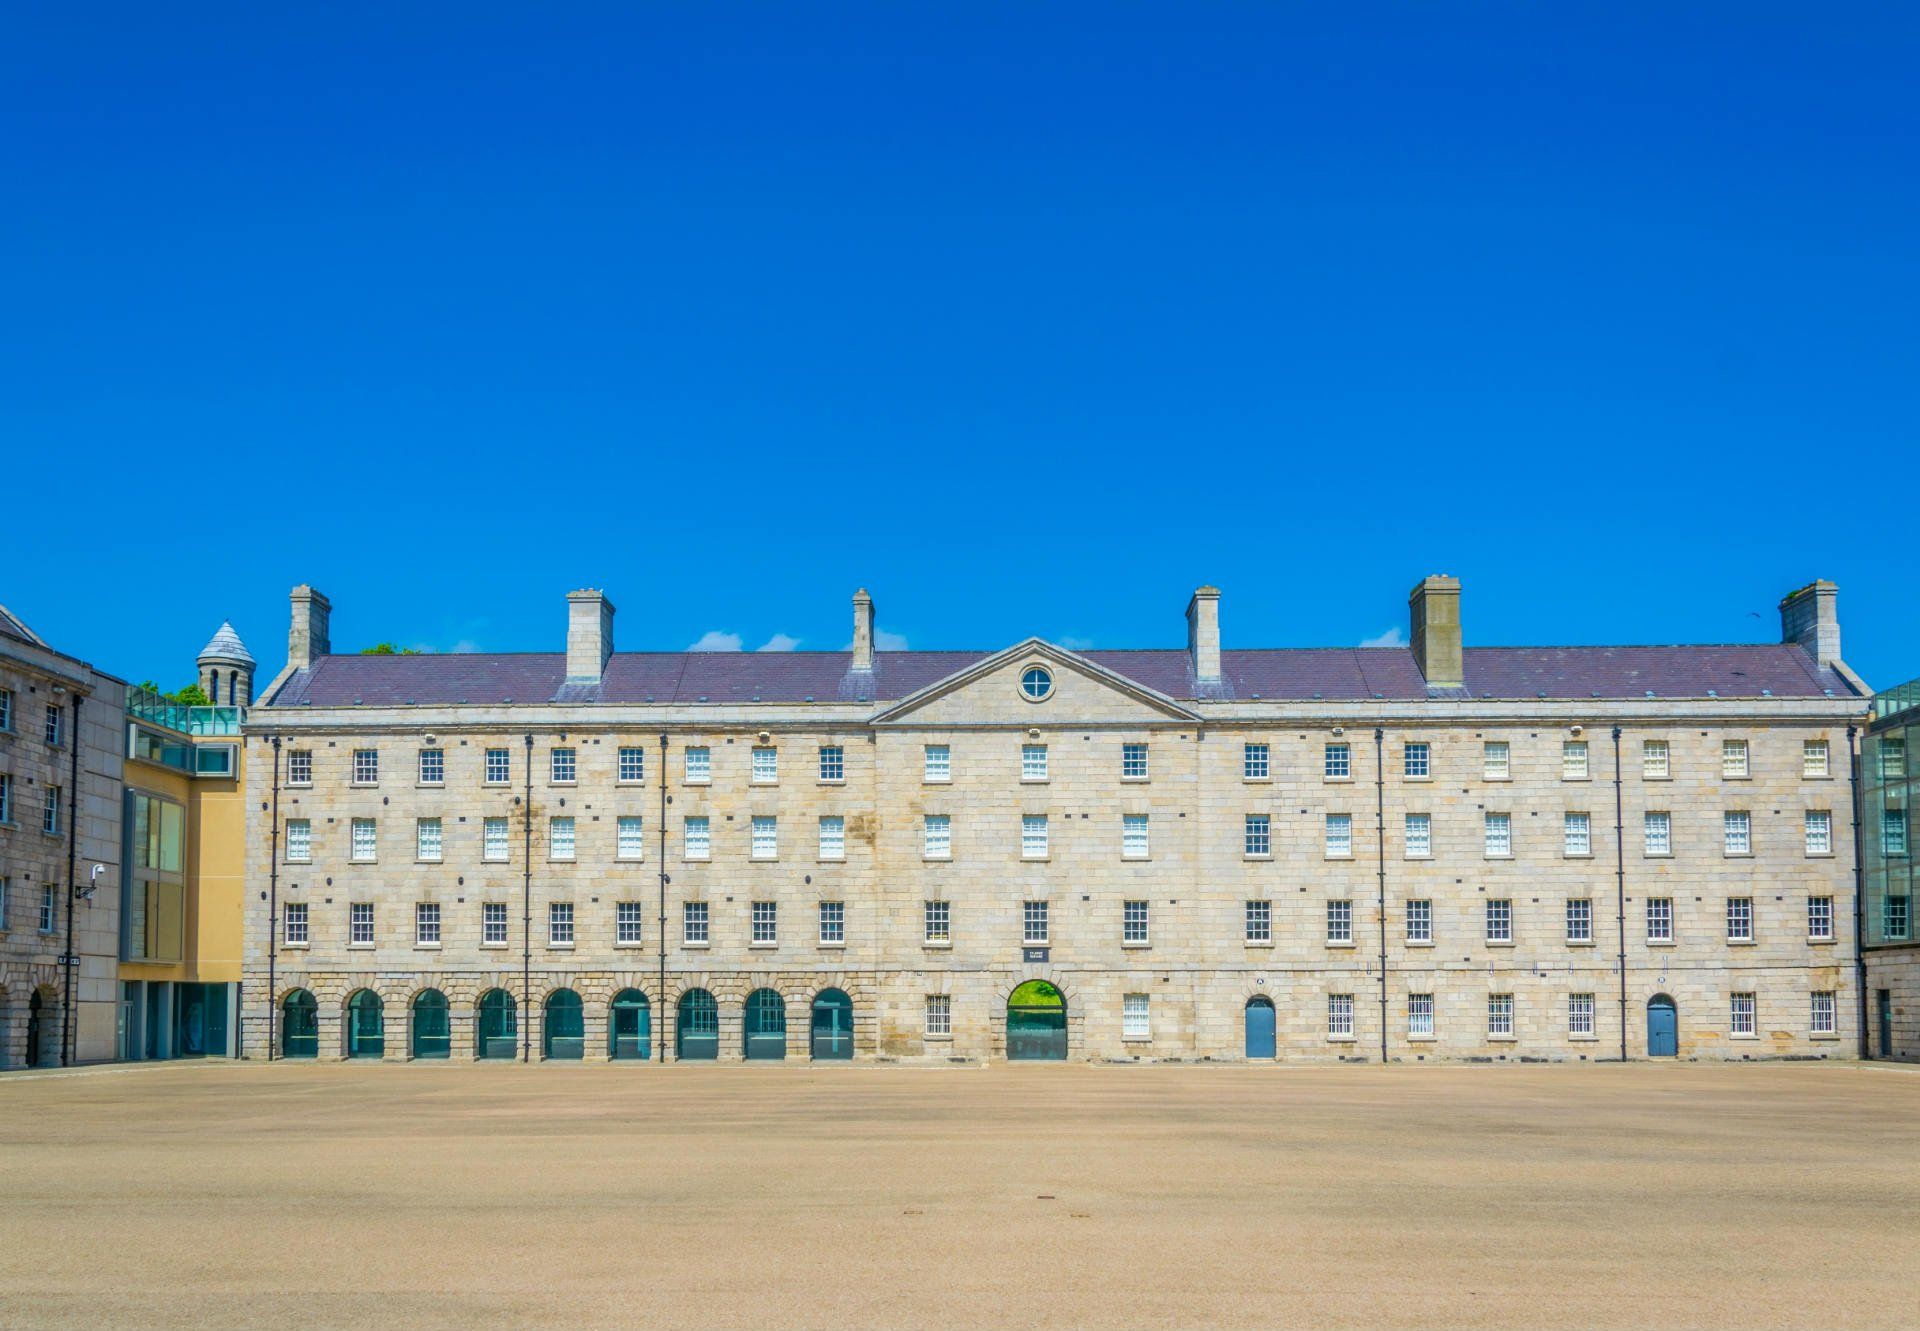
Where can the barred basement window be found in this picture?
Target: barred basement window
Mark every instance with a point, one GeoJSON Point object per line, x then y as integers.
{"type": "Point", "coordinates": [1133, 836]}
{"type": "Point", "coordinates": [360, 923]}
{"type": "Point", "coordinates": [939, 763]}
{"type": "Point", "coordinates": [939, 1014]}
{"type": "Point", "coordinates": [766, 766]}
{"type": "Point", "coordinates": [365, 839]}
{"type": "Point", "coordinates": [630, 838]}
{"type": "Point", "coordinates": [1338, 762]}
{"type": "Point", "coordinates": [695, 838]}
{"type": "Point", "coordinates": [1659, 919]}
{"type": "Point", "coordinates": [433, 767]}
{"type": "Point", "coordinates": [1420, 921]}
{"type": "Point", "coordinates": [426, 838]}
{"type": "Point", "coordinates": [1339, 836]}
{"type": "Point", "coordinates": [1820, 919]}
{"type": "Point", "coordinates": [1340, 1016]}
{"type": "Point", "coordinates": [366, 767]}
{"type": "Point", "coordinates": [1259, 834]}
{"type": "Point", "coordinates": [766, 922]}
{"type": "Point", "coordinates": [1499, 920]}
{"type": "Point", "coordinates": [1737, 832]}
{"type": "Point", "coordinates": [693, 922]}
{"type": "Point", "coordinates": [1576, 835]}
{"type": "Point", "coordinates": [560, 838]}
{"type": "Point", "coordinates": [939, 921]}
{"type": "Point", "coordinates": [1734, 758]}
{"type": "Point", "coordinates": [299, 841]}
{"type": "Point", "coordinates": [1819, 832]}
{"type": "Point", "coordinates": [1579, 919]}
{"type": "Point", "coordinates": [1033, 922]}
{"type": "Point", "coordinates": [296, 924]}
{"type": "Point", "coordinates": [627, 917]}
{"type": "Point", "coordinates": [1742, 1021]}
{"type": "Point", "coordinates": [1499, 836]}
{"type": "Point", "coordinates": [493, 840]}
{"type": "Point", "coordinates": [1133, 762]}
{"type": "Point", "coordinates": [1133, 1017]}
{"type": "Point", "coordinates": [631, 765]}
{"type": "Point", "coordinates": [1254, 762]}
{"type": "Point", "coordinates": [564, 767]}
{"type": "Point", "coordinates": [299, 767]}
{"type": "Point", "coordinates": [1033, 836]}
{"type": "Point", "coordinates": [937, 836]}
{"type": "Point", "coordinates": [1657, 832]}
{"type": "Point", "coordinates": [833, 922]}
{"type": "Point", "coordinates": [1499, 1015]}
{"type": "Point", "coordinates": [1133, 922]}
{"type": "Point", "coordinates": [1496, 760]}
{"type": "Point", "coordinates": [766, 837]}
{"type": "Point", "coordinates": [559, 924]}
{"type": "Point", "coordinates": [833, 763]}
{"type": "Point", "coordinates": [1340, 921]}
{"type": "Point", "coordinates": [1580, 1014]}
{"type": "Point", "coordinates": [499, 769]}
{"type": "Point", "coordinates": [1420, 1016]}
{"type": "Point", "coordinates": [493, 923]}
{"type": "Point", "coordinates": [1033, 762]}
{"type": "Point", "coordinates": [699, 761]}
{"type": "Point", "coordinates": [1573, 760]}
{"type": "Point", "coordinates": [1259, 921]}
{"type": "Point", "coordinates": [426, 924]}
{"type": "Point", "coordinates": [1813, 757]}
{"type": "Point", "coordinates": [1419, 835]}
{"type": "Point", "coordinates": [1656, 762]}
{"type": "Point", "coordinates": [1822, 1018]}
{"type": "Point", "coordinates": [833, 837]}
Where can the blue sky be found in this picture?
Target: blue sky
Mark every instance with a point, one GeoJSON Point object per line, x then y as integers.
{"type": "Point", "coordinates": [1029, 318]}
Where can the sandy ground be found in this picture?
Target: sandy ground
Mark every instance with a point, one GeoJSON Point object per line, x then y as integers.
{"type": "Point", "coordinates": [243, 1195]}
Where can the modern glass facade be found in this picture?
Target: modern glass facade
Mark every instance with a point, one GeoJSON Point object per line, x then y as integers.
{"type": "Point", "coordinates": [1887, 787]}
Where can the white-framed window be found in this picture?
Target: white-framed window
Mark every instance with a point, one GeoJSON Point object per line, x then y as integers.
{"type": "Point", "coordinates": [6, 711]}
{"type": "Point", "coordinates": [559, 924]}
{"type": "Point", "coordinates": [833, 763]}
{"type": "Point", "coordinates": [1496, 760]}
{"type": "Point", "coordinates": [1656, 759]}
{"type": "Point", "coordinates": [693, 922]}
{"type": "Point", "coordinates": [1820, 919]}
{"type": "Point", "coordinates": [1499, 920]}
{"type": "Point", "coordinates": [1033, 836]}
{"type": "Point", "coordinates": [296, 924]}
{"type": "Point", "coordinates": [1033, 922]}
{"type": "Point", "coordinates": [1499, 1016]}
{"type": "Point", "coordinates": [1741, 1015]}
{"type": "Point", "coordinates": [766, 921]}
{"type": "Point", "coordinates": [1338, 762]}
{"type": "Point", "coordinates": [1822, 1019]}
{"type": "Point", "coordinates": [50, 813]}
{"type": "Point", "coordinates": [560, 838]}
{"type": "Point", "coordinates": [699, 765]}
{"type": "Point", "coordinates": [299, 767]}
{"type": "Point", "coordinates": [1339, 920]}
{"type": "Point", "coordinates": [499, 767]}
{"type": "Point", "coordinates": [937, 919]}
{"type": "Point", "coordinates": [55, 724]}
{"type": "Point", "coordinates": [366, 767]}
{"type": "Point", "coordinates": [937, 836]}
{"type": "Point", "coordinates": [630, 837]}
{"type": "Point", "coordinates": [939, 1015]}
{"type": "Point", "coordinates": [493, 923]}
{"type": "Point", "coordinates": [1656, 829]}
{"type": "Point", "coordinates": [49, 908]}
{"type": "Point", "coordinates": [1033, 762]}
{"type": "Point", "coordinates": [1819, 831]}
{"type": "Point", "coordinates": [1580, 1014]}
{"type": "Point", "coordinates": [630, 765]}
{"type": "Point", "coordinates": [1133, 836]}
{"type": "Point", "coordinates": [1576, 835]}
{"type": "Point", "coordinates": [1419, 833]}
{"type": "Point", "coordinates": [697, 838]}
{"type": "Point", "coordinates": [1259, 920]}
{"type": "Point", "coordinates": [6, 799]}
{"type": "Point", "coordinates": [1893, 757]}
{"type": "Point", "coordinates": [1579, 919]}
{"type": "Point", "coordinates": [365, 842]}
{"type": "Point", "coordinates": [564, 767]}
{"type": "Point", "coordinates": [1737, 831]}
{"type": "Point", "coordinates": [1814, 758]}
{"type": "Point", "coordinates": [493, 841]}
{"type": "Point", "coordinates": [1133, 762]}
{"type": "Point", "coordinates": [426, 924]}
{"type": "Point", "coordinates": [833, 836]}
{"type": "Point", "coordinates": [1339, 836]}
{"type": "Point", "coordinates": [1340, 1016]}
{"type": "Point", "coordinates": [1893, 832]}
{"type": "Point", "coordinates": [1134, 1024]}
{"type": "Point", "coordinates": [628, 917]}
{"type": "Point", "coordinates": [766, 765]}
{"type": "Point", "coordinates": [833, 922]}
{"type": "Point", "coordinates": [1734, 758]}
{"type": "Point", "coordinates": [433, 767]}
{"type": "Point", "coordinates": [360, 923]}
{"type": "Point", "coordinates": [1255, 762]}
{"type": "Point", "coordinates": [1419, 920]}
{"type": "Point", "coordinates": [1499, 836]}
{"type": "Point", "coordinates": [766, 837]}
{"type": "Point", "coordinates": [1739, 919]}
{"type": "Point", "coordinates": [1573, 760]}
{"type": "Point", "coordinates": [1896, 916]}
{"type": "Point", "coordinates": [299, 841]}
{"type": "Point", "coordinates": [1659, 919]}
{"type": "Point", "coordinates": [938, 759]}
{"type": "Point", "coordinates": [1259, 835]}
{"type": "Point", "coordinates": [1420, 1016]}
{"type": "Point", "coordinates": [426, 839]}
{"type": "Point", "coordinates": [1416, 761]}
{"type": "Point", "coordinates": [1133, 922]}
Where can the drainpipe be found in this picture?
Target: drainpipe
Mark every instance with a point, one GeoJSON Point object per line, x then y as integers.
{"type": "Point", "coordinates": [660, 994]}
{"type": "Point", "coordinates": [273, 910]}
{"type": "Point", "coordinates": [1620, 886]}
{"type": "Point", "coordinates": [1380, 847]}
{"type": "Point", "coordinates": [1859, 886]}
{"type": "Point", "coordinates": [69, 962]}
{"type": "Point", "coordinates": [526, 918]}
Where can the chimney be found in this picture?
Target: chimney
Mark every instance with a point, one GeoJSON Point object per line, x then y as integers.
{"type": "Point", "coordinates": [307, 639]}
{"type": "Point", "coordinates": [1810, 618]}
{"type": "Point", "coordinates": [589, 634]}
{"type": "Point", "coordinates": [1433, 609]}
{"type": "Point", "coordinates": [1203, 634]}
{"type": "Point", "coordinates": [862, 630]}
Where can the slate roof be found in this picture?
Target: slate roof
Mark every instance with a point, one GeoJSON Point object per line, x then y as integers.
{"type": "Point", "coordinates": [1780, 670]}
{"type": "Point", "coordinates": [225, 645]}
{"type": "Point", "coordinates": [13, 627]}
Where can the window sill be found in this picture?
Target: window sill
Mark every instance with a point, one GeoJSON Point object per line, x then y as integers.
{"type": "Point", "coordinates": [429, 785]}
{"type": "Point", "coordinates": [559, 947]}
{"type": "Point", "coordinates": [426, 947]}
{"type": "Point", "coordinates": [762, 785]}
{"type": "Point", "coordinates": [631, 943]}
{"type": "Point", "coordinates": [363, 785]}
{"type": "Point", "coordinates": [1332, 858]}
{"type": "Point", "coordinates": [1136, 1039]}
{"type": "Point", "coordinates": [1257, 780]}
{"type": "Point", "coordinates": [630, 784]}
{"type": "Point", "coordinates": [1337, 780]}
{"type": "Point", "coordinates": [496, 785]}
{"type": "Point", "coordinates": [1426, 942]}
{"type": "Point", "coordinates": [1346, 944]}
{"type": "Point", "coordinates": [1497, 780]}
{"type": "Point", "coordinates": [1035, 781]}
{"type": "Point", "coordinates": [697, 859]}
{"type": "Point", "coordinates": [1340, 1039]}
{"type": "Point", "coordinates": [1420, 1039]}
{"type": "Point", "coordinates": [1661, 942]}
{"type": "Point", "coordinates": [936, 781]}
{"type": "Point", "coordinates": [298, 864]}
{"type": "Point", "coordinates": [936, 859]}
{"type": "Point", "coordinates": [1498, 859]}
{"type": "Point", "coordinates": [931, 946]}
{"type": "Point", "coordinates": [1821, 942]}
{"type": "Point", "coordinates": [1743, 942]}
{"type": "Point", "coordinates": [561, 859]}
{"type": "Point", "coordinates": [937, 1039]}
{"type": "Point", "coordinates": [436, 860]}
{"type": "Point", "coordinates": [698, 781]}
{"type": "Point", "coordinates": [1745, 1037]}
{"type": "Point", "coordinates": [1136, 947]}
{"type": "Point", "coordinates": [1136, 859]}
{"type": "Point", "coordinates": [629, 859]}
{"type": "Point", "coordinates": [1035, 859]}
{"type": "Point", "coordinates": [1824, 1037]}
{"type": "Point", "coordinates": [360, 947]}
{"type": "Point", "coordinates": [1819, 854]}
{"type": "Point", "coordinates": [1581, 942]}
{"type": "Point", "coordinates": [763, 859]}
{"type": "Point", "coordinates": [1500, 942]}
{"type": "Point", "coordinates": [1502, 1039]}
{"type": "Point", "coordinates": [1590, 1038]}
{"type": "Point", "coordinates": [293, 947]}
{"type": "Point", "coordinates": [1576, 855]}
{"type": "Point", "coordinates": [1574, 780]}
{"type": "Point", "coordinates": [834, 947]}
{"type": "Point", "coordinates": [1414, 859]}
{"type": "Point", "coordinates": [1738, 855]}
{"type": "Point", "coordinates": [1657, 855]}
{"type": "Point", "coordinates": [1135, 780]}
{"type": "Point", "coordinates": [361, 861]}
{"type": "Point", "coordinates": [1258, 942]}
{"type": "Point", "coordinates": [763, 947]}
{"type": "Point", "coordinates": [493, 945]}
{"type": "Point", "coordinates": [496, 861]}
{"type": "Point", "coordinates": [1257, 858]}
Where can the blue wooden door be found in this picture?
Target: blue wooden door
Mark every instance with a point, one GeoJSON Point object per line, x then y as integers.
{"type": "Point", "coordinates": [1663, 1028]}
{"type": "Point", "coordinates": [1260, 1043]}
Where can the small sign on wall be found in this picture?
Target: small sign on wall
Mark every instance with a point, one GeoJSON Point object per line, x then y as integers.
{"type": "Point", "coordinates": [1035, 954]}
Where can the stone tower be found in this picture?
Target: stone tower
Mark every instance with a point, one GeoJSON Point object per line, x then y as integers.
{"type": "Point", "coordinates": [226, 669]}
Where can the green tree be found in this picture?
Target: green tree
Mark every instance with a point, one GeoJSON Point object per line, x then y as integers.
{"type": "Point", "coordinates": [389, 649]}
{"type": "Point", "coordinates": [191, 696]}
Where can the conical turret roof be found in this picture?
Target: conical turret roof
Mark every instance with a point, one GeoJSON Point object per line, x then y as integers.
{"type": "Point", "coordinates": [226, 646]}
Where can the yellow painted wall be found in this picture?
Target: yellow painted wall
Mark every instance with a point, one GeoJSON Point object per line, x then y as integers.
{"type": "Point", "coordinates": [214, 878]}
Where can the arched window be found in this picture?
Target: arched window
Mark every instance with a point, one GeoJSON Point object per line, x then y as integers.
{"type": "Point", "coordinates": [366, 1025]}
{"type": "Point", "coordinates": [832, 1035]}
{"type": "Point", "coordinates": [498, 1028]}
{"type": "Point", "coordinates": [766, 1025]}
{"type": "Point", "coordinates": [630, 1026]}
{"type": "Point", "coordinates": [432, 1031]}
{"type": "Point", "coordinates": [299, 1025]}
{"type": "Point", "coordinates": [563, 1032]}
{"type": "Point", "coordinates": [697, 1032]}
{"type": "Point", "coordinates": [1037, 1022]}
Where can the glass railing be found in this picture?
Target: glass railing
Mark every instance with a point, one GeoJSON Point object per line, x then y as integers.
{"type": "Point", "coordinates": [146, 705]}
{"type": "Point", "coordinates": [1898, 699]}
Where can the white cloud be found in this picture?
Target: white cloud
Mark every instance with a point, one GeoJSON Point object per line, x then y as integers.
{"type": "Point", "coordinates": [1075, 644]}
{"type": "Point", "coordinates": [1393, 637]}
{"type": "Point", "coordinates": [713, 640]}
{"type": "Point", "coordinates": [779, 642]}
{"type": "Point", "coordinates": [465, 647]}
{"type": "Point", "coordinates": [887, 641]}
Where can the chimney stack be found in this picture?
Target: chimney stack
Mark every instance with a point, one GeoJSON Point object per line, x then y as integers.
{"type": "Point", "coordinates": [589, 634]}
{"type": "Point", "coordinates": [1203, 634]}
{"type": "Point", "coordinates": [1811, 618]}
{"type": "Point", "coordinates": [862, 630]}
{"type": "Point", "coordinates": [307, 639]}
{"type": "Point", "coordinates": [1433, 609]}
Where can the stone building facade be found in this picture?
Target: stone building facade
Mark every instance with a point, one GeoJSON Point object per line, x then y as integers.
{"type": "Point", "coordinates": [1431, 852]}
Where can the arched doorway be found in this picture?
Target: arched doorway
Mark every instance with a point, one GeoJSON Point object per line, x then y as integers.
{"type": "Point", "coordinates": [563, 1031]}
{"type": "Point", "coordinates": [766, 1025]}
{"type": "Point", "coordinates": [366, 1025]}
{"type": "Point", "coordinates": [832, 1025]}
{"type": "Point", "coordinates": [630, 1026]}
{"type": "Point", "coordinates": [697, 1032]}
{"type": "Point", "coordinates": [299, 1025]}
{"type": "Point", "coordinates": [1663, 1027]}
{"type": "Point", "coordinates": [497, 1029]}
{"type": "Point", "coordinates": [1260, 1037]}
{"type": "Point", "coordinates": [36, 1031]}
{"type": "Point", "coordinates": [1037, 1023]}
{"type": "Point", "coordinates": [432, 1029]}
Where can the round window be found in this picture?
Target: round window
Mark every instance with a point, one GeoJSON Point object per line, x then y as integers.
{"type": "Point", "coordinates": [1036, 682]}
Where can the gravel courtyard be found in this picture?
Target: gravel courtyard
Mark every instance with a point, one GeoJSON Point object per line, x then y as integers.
{"type": "Point", "coordinates": [245, 1195]}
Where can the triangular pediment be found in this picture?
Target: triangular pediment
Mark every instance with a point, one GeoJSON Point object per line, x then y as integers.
{"type": "Point", "coordinates": [989, 692]}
